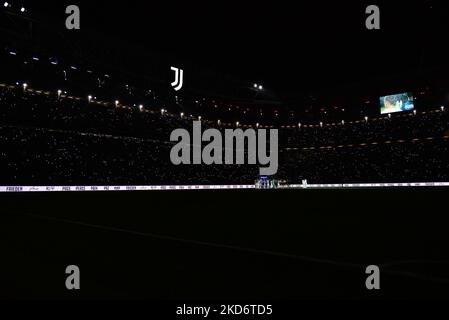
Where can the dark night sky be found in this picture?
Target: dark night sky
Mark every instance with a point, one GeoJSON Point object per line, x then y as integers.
{"type": "Point", "coordinates": [288, 46]}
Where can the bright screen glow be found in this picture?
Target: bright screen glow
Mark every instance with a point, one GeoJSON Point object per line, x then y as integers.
{"type": "Point", "coordinates": [396, 103]}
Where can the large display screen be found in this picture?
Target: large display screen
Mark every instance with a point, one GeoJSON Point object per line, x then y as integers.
{"type": "Point", "coordinates": [396, 103]}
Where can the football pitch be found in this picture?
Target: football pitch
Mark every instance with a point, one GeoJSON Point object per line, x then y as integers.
{"type": "Point", "coordinates": [216, 244]}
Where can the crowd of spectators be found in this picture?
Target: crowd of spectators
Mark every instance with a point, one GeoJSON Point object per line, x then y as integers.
{"type": "Point", "coordinates": [31, 156]}
{"type": "Point", "coordinates": [420, 161]}
{"type": "Point", "coordinates": [51, 140]}
{"type": "Point", "coordinates": [433, 123]}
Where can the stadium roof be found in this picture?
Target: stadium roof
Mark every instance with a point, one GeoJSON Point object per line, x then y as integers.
{"type": "Point", "coordinates": [291, 49]}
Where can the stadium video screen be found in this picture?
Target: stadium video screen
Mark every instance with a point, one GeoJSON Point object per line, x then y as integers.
{"type": "Point", "coordinates": [396, 103]}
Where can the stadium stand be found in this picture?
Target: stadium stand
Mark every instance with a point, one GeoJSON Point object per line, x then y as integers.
{"type": "Point", "coordinates": [66, 119]}
{"type": "Point", "coordinates": [57, 141]}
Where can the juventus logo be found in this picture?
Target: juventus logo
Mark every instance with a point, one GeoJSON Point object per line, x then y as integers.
{"type": "Point", "coordinates": [179, 78]}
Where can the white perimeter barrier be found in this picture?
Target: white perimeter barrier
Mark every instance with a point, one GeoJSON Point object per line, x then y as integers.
{"type": "Point", "coordinates": [212, 187]}
{"type": "Point", "coordinates": [118, 188]}
{"type": "Point", "coordinates": [371, 185]}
